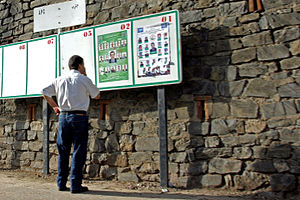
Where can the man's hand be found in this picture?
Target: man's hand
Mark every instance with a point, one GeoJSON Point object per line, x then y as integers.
{"type": "Point", "coordinates": [56, 110]}
{"type": "Point", "coordinates": [83, 72]}
{"type": "Point", "coordinates": [81, 69]}
{"type": "Point", "coordinates": [53, 104]}
{"type": "Point", "coordinates": [98, 96]}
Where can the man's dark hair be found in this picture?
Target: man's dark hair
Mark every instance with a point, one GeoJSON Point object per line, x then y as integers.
{"type": "Point", "coordinates": [75, 61]}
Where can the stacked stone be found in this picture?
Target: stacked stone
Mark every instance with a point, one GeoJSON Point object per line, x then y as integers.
{"type": "Point", "coordinates": [21, 145]}
{"type": "Point", "coordinates": [248, 63]}
{"type": "Point", "coordinates": [16, 19]}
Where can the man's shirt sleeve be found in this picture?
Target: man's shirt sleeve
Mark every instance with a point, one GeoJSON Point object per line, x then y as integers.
{"type": "Point", "coordinates": [92, 89]}
{"type": "Point", "coordinates": [49, 90]}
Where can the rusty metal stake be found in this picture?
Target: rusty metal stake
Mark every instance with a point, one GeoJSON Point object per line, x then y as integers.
{"type": "Point", "coordinates": [259, 5]}
{"type": "Point", "coordinates": [251, 6]}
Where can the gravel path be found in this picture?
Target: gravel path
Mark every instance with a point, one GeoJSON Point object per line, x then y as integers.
{"type": "Point", "coordinates": [18, 185]}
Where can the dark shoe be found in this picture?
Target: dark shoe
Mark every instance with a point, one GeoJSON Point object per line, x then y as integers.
{"type": "Point", "coordinates": [82, 189]}
{"type": "Point", "coordinates": [64, 189]}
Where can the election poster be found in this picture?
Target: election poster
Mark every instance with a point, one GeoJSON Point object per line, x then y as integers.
{"type": "Point", "coordinates": [113, 56]}
{"type": "Point", "coordinates": [156, 47]}
{"type": "Point", "coordinates": [113, 60]}
{"type": "Point", "coordinates": [153, 50]}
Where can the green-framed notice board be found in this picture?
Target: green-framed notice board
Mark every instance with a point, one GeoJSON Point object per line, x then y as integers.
{"type": "Point", "coordinates": [137, 52]}
{"type": "Point", "coordinates": [27, 67]}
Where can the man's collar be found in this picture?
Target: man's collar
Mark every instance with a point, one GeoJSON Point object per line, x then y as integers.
{"type": "Point", "coordinates": [74, 71]}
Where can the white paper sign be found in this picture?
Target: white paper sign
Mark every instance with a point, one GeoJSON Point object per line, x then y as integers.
{"type": "Point", "coordinates": [78, 43]}
{"type": "Point", "coordinates": [59, 15]}
{"type": "Point", "coordinates": [14, 70]}
{"type": "Point", "coordinates": [41, 64]}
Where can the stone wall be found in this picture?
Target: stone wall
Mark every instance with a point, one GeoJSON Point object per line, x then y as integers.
{"type": "Point", "coordinates": [242, 66]}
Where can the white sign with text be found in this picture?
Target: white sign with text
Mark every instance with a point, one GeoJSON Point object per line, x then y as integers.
{"type": "Point", "coordinates": [59, 15]}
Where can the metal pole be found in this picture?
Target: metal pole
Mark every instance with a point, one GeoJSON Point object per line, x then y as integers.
{"type": "Point", "coordinates": [46, 137]}
{"type": "Point", "coordinates": [163, 138]}
{"type": "Point", "coordinates": [46, 114]}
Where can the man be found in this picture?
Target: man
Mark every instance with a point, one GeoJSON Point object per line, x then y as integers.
{"type": "Point", "coordinates": [73, 93]}
{"type": "Point", "coordinates": [153, 49]}
{"type": "Point", "coordinates": [112, 59]}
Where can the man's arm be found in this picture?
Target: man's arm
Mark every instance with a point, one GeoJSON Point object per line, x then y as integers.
{"type": "Point", "coordinates": [53, 104]}
{"type": "Point", "coordinates": [98, 96]}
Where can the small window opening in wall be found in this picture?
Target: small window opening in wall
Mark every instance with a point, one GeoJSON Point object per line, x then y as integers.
{"type": "Point", "coordinates": [31, 108]}
{"type": "Point", "coordinates": [70, 28]}
{"type": "Point", "coordinates": [9, 40]}
{"type": "Point", "coordinates": [104, 114]}
{"type": "Point", "coordinates": [255, 5]}
{"type": "Point", "coordinates": [202, 107]}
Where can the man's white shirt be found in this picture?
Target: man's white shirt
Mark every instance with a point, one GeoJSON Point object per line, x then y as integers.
{"type": "Point", "coordinates": [72, 91]}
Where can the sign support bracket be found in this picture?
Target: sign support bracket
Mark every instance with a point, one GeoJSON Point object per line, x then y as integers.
{"type": "Point", "coordinates": [46, 137]}
{"type": "Point", "coordinates": [163, 137]}
{"type": "Point", "coordinates": [46, 117]}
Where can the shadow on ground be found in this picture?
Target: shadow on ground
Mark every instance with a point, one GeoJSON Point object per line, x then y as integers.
{"type": "Point", "coordinates": [147, 195]}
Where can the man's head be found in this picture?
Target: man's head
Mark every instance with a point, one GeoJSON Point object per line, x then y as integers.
{"type": "Point", "coordinates": [112, 54]}
{"type": "Point", "coordinates": [76, 62]}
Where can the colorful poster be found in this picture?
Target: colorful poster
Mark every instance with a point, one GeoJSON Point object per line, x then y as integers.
{"type": "Point", "coordinates": [113, 57]}
{"type": "Point", "coordinates": [153, 52]}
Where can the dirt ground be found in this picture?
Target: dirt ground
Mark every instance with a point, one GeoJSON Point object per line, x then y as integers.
{"type": "Point", "coordinates": [33, 185]}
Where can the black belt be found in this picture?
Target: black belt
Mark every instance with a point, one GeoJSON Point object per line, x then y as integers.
{"type": "Point", "coordinates": [73, 112]}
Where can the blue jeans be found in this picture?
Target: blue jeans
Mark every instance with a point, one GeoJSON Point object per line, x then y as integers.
{"type": "Point", "coordinates": [73, 128]}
